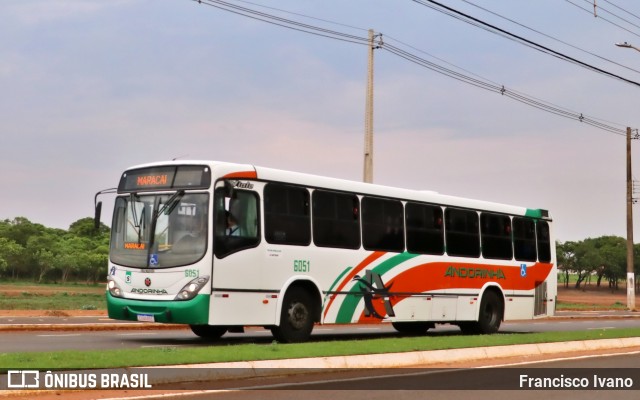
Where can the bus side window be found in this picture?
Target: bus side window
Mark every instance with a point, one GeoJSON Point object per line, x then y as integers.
{"type": "Point", "coordinates": [524, 239]}
{"type": "Point", "coordinates": [462, 232]}
{"type": "Point", "coordinates": [425, 233]}
{"type": "Point", "coordinates": [496, 236]}
{"type": "Point", "coordinates": [336, 221]}
{"type": "Point", "coordinates": [382, 224]}
{"type": "Point", "coordinates": [544, 243]}
{"type": "Point", "coordinates": [287, 218]}
{"type": "Point", "coordinates": [242, 205]}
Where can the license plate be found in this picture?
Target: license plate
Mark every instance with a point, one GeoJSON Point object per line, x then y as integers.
{"type": "Point", "coordinates": [146, 318]}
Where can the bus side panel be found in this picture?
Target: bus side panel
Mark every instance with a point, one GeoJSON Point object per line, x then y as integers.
{"type": "Point", "coordinates": [467, 307]}
{"type": "Point", "coordinates": [242, 308]}
{"type": "Point", "coordinates": [240, 294]}
{"type": "Point", "coordinates": [444, 308]}
{"type": "Point", "coordinates": [519, 307]}
{"type": "Point", "coordinates": [417, 308]}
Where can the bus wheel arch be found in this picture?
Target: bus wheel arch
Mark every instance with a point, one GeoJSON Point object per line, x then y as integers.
{"type": "Point", "coordinates": [490, 313]}
{"type": "Point", "coordinates": [300, 310]}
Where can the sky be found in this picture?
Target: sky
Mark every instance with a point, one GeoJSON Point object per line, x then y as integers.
{"type": "Point", "coordinates": [92, 87]}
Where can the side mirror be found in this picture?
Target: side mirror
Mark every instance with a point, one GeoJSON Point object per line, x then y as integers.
{"type": "Point", "coordinates": [96, 220]}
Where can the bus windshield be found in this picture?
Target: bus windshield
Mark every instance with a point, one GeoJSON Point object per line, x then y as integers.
{"type": "Point", "coordinates": [159, 231]}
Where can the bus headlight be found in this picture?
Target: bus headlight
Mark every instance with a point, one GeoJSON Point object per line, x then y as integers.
{"type": "Point", "coordinates": [192, 288]}
{"type": "Point", "coordinates": [113, 288]}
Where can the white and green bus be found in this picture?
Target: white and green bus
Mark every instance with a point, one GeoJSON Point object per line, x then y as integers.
{"type": "Point", "coordinates": [222, 246]}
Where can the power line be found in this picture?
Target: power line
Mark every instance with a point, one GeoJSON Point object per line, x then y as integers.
{"type": "Point", "coordinates": [283, 22]}
{"type": "Point", "coordinates": [475, 80]}
{"type": "Point", "coordinates": [548, 36]}
{"type": "Point", "coordinates": [622, 9]}
{"type": "Point", "coordinates": [519, 39]}
{"type": "Point", "coordinates": [604, 19]}
{"type": "Point", "coordinates": [615, 15]}
{"type": "Point", "coordinates": [492, 87]}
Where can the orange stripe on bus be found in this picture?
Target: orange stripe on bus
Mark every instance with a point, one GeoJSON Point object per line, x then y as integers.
{"type": "Point", "coordinates": [242, 175]}
{"type": "Point", "coordinates": [434, 276]}
{"type": "Point", "coordinates": [371, 258]}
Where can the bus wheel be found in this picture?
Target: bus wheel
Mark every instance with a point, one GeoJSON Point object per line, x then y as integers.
{"type": "Point", "coordinates": [491, 313]}
{"type": "Point", "coordinates": [208, 332]}
{"type": "Point", "coordinates": [296, 320]}
{"type": "Point", "coordinates": [412, 328]}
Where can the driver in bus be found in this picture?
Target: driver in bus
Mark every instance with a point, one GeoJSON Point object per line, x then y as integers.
{"type": "Point", "coordinates": [232, 225]}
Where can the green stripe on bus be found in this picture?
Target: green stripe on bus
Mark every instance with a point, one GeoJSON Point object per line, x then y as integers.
{"type": "Point", "coordinates": [533, 213]}
{"type": "Point", "coordinates": [338, 279]}
{"type": "Point", "coordinates": [348, 307]}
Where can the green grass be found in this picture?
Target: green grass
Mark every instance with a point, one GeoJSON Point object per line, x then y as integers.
{"type": "Point", "coordinates": [54, 301]}
{"type": "Point", "coordinates": [561, 306]}
{"type": "Point", "coordinates": [67, 286]}
{"type": "Point", "coordinates": [211, 354]}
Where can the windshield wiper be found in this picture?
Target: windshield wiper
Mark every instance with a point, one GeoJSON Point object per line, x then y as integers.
{"type": "Point", "coordinates": [170, 205]}
{"type": "Point", "coordinates": [167, 208]}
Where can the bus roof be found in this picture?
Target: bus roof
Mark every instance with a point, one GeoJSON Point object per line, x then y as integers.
{"type": "Point", "coordinates": [247, 171]}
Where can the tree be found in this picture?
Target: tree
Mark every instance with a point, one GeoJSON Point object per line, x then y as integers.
{"type": "Point", "coordinates": [42, 249]}
{"type": "Point", "coordinates": [10, 252]}
{"type": "Point", "coordinates": [85, 227]}
{"type": "Point", "coordinates": [565, 259]}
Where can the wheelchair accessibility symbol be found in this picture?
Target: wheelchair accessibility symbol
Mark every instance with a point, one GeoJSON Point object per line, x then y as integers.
{"type": "Point", "coordinates": [153, 260]}
{"type": "Point", "coordinates": [523, 270]}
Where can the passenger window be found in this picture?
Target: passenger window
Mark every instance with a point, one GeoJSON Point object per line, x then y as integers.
{"type": "Point", "coordinates": [336, 220]}
{"type": "Point", "coordinates": [524, 239]}
{"type": "Point", "coordinates": [462, 233]}
{"type": "Point", "coordinates": [544, 242]}
{"type": "Point", "coordinates": [496, 236]}
{"type": "Point", "coordinates": [286, 215]}
{"type": "Point", "coordinates": [382, 224]}
{"type": "Point", "coordinates": [425, 233]}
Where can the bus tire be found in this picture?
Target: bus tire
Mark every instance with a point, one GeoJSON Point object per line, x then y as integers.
{"type": "Point", "coordinates": [208, 332]}
{"type": "Point", "coordinates": [412, 328]}
{"type": "Point", "coordinates": [491, 313]}
{"type": "Point", "coordinates": [469, 327]}
{"type": "Point", "coordinates": [296, 319]}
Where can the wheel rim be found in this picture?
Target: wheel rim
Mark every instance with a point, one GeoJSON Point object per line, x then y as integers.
{"type": "Point", "coordinates": [298, 315]}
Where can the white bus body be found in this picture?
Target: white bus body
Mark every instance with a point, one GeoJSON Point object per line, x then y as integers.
{"type": "Point", "coordinates": [309, 249]}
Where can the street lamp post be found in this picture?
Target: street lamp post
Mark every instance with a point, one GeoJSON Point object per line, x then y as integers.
{"type": "Point", "coordinates": [627, 45]}
{"type": "Point", "coordinates": [631, 294]}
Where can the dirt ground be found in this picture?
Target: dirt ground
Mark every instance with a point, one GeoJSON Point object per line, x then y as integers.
{"type": "Point", "coordinates": [593, 295]}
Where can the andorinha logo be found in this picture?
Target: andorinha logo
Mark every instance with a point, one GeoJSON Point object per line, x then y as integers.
{"type": "Point", "coordinates": [149, 291]}
{"type": "Point", "coordinates": [474, 273]}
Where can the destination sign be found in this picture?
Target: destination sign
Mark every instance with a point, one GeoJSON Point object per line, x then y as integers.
{"type": "Point", "coordinates": [166, 178]}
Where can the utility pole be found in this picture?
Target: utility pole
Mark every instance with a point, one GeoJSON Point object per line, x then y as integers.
{"type": "Point", "coordinates": [368, 113]}
{"type": "Point", "coordinates": [631, 288]}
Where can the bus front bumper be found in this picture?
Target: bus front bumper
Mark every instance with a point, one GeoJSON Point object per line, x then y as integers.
{"type": "Point", "coordinates": [192, 312]}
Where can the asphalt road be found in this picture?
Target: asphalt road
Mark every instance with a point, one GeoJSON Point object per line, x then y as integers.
{"type": "Point", "coordinates": [43, 340]}
{"type": "Point", "coordinates": [497, 382]}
